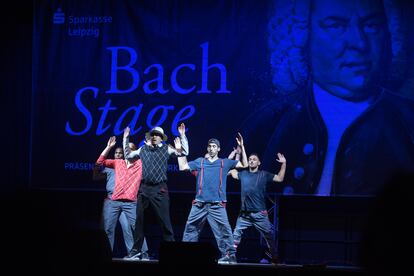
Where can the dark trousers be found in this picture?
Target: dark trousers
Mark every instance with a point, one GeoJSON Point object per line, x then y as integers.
{"type": "Point", "coordinates": [156, 197]}
{"type": "Point", "coordinates": [260, 221]}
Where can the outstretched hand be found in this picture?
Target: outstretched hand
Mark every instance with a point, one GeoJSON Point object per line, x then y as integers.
{"type": "Point", "coordinates": [239, 139]}
{"type": "Point", "coordinates": [111, 142]}
{"type": "Point", "coordinates": [177, 143]}
{"type": "Point", "coordinates": [147, 141]}
{"type": "Point", "coordinates": [126, 132]}
{"type": "Point", "coordinates": [281, 158]}
{"type": "Point", "coordinates": [181, 129]}
{"type": "Point", "coordinates": [236, 150]}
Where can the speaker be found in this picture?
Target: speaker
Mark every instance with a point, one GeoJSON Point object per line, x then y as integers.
{"type": "Point", "coordinates": [187, 254]}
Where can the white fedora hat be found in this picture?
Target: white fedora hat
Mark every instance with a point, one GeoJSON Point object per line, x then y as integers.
{"type": "Point", "coordinates": [157, 130]}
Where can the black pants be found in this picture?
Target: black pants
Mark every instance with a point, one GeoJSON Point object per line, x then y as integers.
{"type": "Point", "coordinates": [157, 197]}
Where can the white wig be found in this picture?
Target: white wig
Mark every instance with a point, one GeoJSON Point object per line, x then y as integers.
{"type": "Point", "coordinates": [288, 40]}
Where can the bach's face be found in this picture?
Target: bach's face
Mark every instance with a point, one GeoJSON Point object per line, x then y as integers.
{"type": "Point", "coordinates": [347, 45]}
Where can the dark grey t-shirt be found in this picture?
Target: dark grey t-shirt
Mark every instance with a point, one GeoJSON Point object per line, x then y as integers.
{"type": "Point", "coordinates": [253, 189]}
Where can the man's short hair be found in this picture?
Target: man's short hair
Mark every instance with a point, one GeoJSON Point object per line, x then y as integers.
{"type": "Point", "coordinates": [214, 141]}
{"type": "Point", "coordinates": [255, 154]}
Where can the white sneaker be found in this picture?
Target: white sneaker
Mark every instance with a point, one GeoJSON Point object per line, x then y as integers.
{"type": "Point", "coordinates": [227, 260]}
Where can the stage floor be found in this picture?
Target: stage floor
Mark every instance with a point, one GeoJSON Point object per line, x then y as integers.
{"type": "Point", "coordinates": [154, 265]}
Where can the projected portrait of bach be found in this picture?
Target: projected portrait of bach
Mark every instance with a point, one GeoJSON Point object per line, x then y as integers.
{"type": "Point", "coordinates": [350, 123]}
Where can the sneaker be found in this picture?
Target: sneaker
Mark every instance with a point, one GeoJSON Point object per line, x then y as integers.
{"type": "Point", "coordinates": [227, 260]}
{"type": "Point", "coordinates": [273, 260]}
{"type": "Point", "coordinates": [134, 255]}
{"type": "Point", "coordinates": [145, 256]}
{"type": "Point", "coordinates": [264, 261]}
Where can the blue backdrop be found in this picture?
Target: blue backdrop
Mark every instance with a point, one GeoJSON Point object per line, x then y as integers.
{"type": "Point", "coordinates": [327, 84]}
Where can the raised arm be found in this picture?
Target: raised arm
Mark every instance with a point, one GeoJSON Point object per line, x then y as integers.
{"type": "Point", "coordinates": [102, 158]}
{"type": "Point", "coordinates": [182, 160]}
{"type": "Point", "coordinates": [182, 163]}
{"type": "Point", "coordinates": [281, 174]}
{"type": "Point", "coordinates": [235, 154]}
{"type": "Point", "coordinates": [184, 143]}
{"type": "Point", "coordinates": [111, 143]}
{"type": "Point", "coordinates": [128, 153]}
{"type": "Point", "coordinates": [243, 163]}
